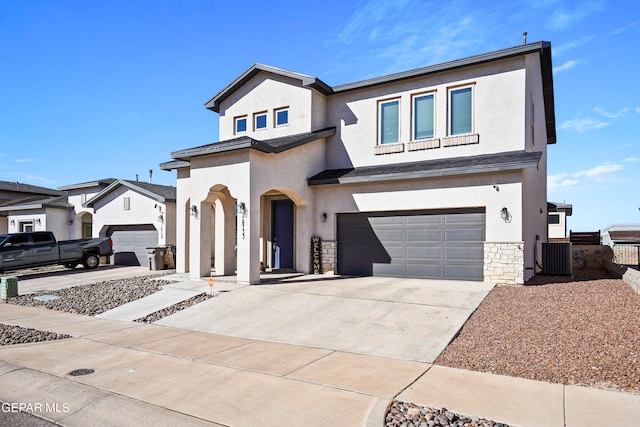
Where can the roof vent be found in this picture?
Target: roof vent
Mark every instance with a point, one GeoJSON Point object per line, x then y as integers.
{"type": "Point", "coordinates": [524, 38]}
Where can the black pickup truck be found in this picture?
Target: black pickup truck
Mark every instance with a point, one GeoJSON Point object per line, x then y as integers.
{"type": "Point", "coordinates": [40, 248]}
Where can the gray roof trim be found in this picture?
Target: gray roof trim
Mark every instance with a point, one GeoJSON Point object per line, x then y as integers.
{"type": "Point", "coordinates": [429, 168]}
{"type": "Point", "coordinates": [560, 207]}
{"type": "Point", "coordinates": [98, 183]}
{"type": "Point", "coordinates": [275, 145]}
{"type": "Point", "coordinates": [174, 164]}
{"type": "Point", "coordinates": [19, 187]}
{"type": "Point", "coordinates": [307, 81]}
{"type": "Point", "coordinates": [136, 186]}
{"type": "Point", "coordinates": [53, 202]}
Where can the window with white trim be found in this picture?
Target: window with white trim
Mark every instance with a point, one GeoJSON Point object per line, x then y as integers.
{"type": "Point", "coordinates": [423, 116]}
{"type": "Point", "coordinates": [260, 120]}
{"type": "Point", "coordinates": [281, 116]}
{"type": "Point", "coordinates": [389, 122]}
{"type": "Point", "coordinates": [240, 124]}
{"type": "Point", "coordinates": [461, 110]}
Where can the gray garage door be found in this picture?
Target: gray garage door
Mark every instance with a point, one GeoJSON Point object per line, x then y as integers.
{"type": "Point", "coordinates": [444, 244]}
{"type": "Point", "coordinates": [130, 243]}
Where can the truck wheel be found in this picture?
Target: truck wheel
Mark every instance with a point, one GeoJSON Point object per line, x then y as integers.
{"type": "Point", "coordinates": [91, 261]}
{"type": "Point", "coordinates": [71, 265]}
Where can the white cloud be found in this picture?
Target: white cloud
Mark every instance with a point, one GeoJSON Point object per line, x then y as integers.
{"type": "Point", "coordinates": [564, 19]}
{"type": "Point", "coordinates": [583, 125]}
{"type": "Point", "coordinates": [624, 28]}
{"type": "Point", "coordinates": [617, 114]}
{"type": "Point", "coordinates": [566, 66]}
{"type": "Point", "coordinates": [560, 49]}
{"type": "Point", "coordinates": [560, 181]}
{"type": "Point", "coordinates": [637, 110]}
{"type": "Point", "coordinates": [27, 160]}
{"type": "Point", "coordinates": [632, 159]}
{"type": "Point", "coordinates": [599, 170]}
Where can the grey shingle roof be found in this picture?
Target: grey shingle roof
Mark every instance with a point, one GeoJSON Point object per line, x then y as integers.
{"type": "Point", "coordinates": [429, 168]}
{"type": "Point", "coordinates": [19, 187]}
{"type": "Point", "coordinates": [161, 193]}
{"type": "Point", "coordinates": [274, 145]}
{"type": "Point", "coordinates": [97, 183]}
{"type": "Point", "coordinates": [36, 202]}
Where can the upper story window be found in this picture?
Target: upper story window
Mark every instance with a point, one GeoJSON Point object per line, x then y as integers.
{"type": "Point", "coordinates": [554, 219]}
{"type": "Point", "coordinates": [240, 124]}
{"type": "Point", "coordinates": [461, 111]}
{"type": "Point", "coordinates": [389, 113]}
{"type": "Point", "coordinates": [423, 116]}
{"type": "Point", "coordinates": [282, 116]}
{"type": "Point", "coordinates": [260, 120]}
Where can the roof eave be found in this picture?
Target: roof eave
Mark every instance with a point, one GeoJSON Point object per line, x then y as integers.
{"type": "Point", "coordinates": [91, 202]}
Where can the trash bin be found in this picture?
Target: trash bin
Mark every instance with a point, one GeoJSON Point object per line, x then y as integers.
{"type": "Point", "coordinates": [156, 258]}
{"type": "Point", "coordinates": [8, 287]}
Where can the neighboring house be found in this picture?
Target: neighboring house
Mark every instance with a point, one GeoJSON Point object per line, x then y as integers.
{"type": "Point", "coordinates": [625, 241]}
{"type": "Point", "coordinates": [438, 172]}
{"type": "Point", "coordinates": [15, 193]}
{"type": "Point", "coordinates": [136, 215]}
{"type": "Point", "coordinates": [557, 218]}
{"type": "Point", "coordinates": [77, 195]}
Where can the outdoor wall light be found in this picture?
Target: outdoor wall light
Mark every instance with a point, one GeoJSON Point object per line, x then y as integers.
{"type": "Point", "coordinates": [241, 209]}
{"type": "Point", "coordinates": [160, 218]}
{"type": "Point", "coordinates": [194, 211]}
{"type": "Point", "coordinates": [323, 217]}
{"type": "Point", "coordinates": [505, 215]}
{"type": "Point", "coordinates": [38, 221]}
{"type": "Point", "coordinates": [12, 222]}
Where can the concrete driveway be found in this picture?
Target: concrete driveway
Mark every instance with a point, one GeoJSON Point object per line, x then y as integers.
{"type": "Point", "coordinates": [406, 319]}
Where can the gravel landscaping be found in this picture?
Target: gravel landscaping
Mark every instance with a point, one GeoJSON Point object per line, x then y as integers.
{"type": "Point", "coordinates": [403, 414]}
{"type": "Point", "coordinates": [10, 335]}
{"type": "Point", "coordinates": [582, 331]}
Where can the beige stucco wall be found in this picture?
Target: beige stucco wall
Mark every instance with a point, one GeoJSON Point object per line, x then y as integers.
{"type": "Point", "coordinates": [498, 107]}
{"type": "Point", "coordinates": [51, 219]}
{"type": "Point", "coordinates": [534, 180]}
{"type": "Point", "coordinates": [143, 210]}
{"type": "Point", "coordinates": [267, 92]}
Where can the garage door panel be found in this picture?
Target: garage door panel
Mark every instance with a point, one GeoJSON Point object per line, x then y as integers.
{"type": "Point", "coordinates": [462, 271]}
{"type": "Point", "coordinates": [471, 234]}
{"type": "Point", "coordinates": [422, 244]}
{"type": "Point", "coordinates": [422, 235]}
{"type": "Point", "coordinates": [130, 243]}
{"type": "Point", "coordinates": [419, 271]}
{"type": "Point", "coordinates": [428, 253]}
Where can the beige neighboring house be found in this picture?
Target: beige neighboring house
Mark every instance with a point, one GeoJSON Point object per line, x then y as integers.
{"type": "Point", "coordinates": [438, 172]}
{"type": "Point", "coordinates": [558, 213]}
{"type": "Point", "coordinates": [136, 215]}
{"type": "Point", "coordinates": [25, 207]}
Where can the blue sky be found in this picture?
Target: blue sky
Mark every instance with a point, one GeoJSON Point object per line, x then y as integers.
{"type": "Point", "coordinates": [96, 89]}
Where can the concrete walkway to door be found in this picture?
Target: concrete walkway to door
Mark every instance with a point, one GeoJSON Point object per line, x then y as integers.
{"type": "Point", "coordinates": [368, 315]}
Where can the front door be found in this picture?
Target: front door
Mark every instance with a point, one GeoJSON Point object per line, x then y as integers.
{"type": "Point", "coordinates": [282, 233]}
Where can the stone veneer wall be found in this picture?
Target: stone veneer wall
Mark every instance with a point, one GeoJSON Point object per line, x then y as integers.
{"type": "Point", "coordinates": [504, 262]}
{"type": "Point", "coordinates": [329, 256]}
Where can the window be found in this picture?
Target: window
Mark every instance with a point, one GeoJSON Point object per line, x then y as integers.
{"type": "Point", "coordinates": [17, 240]}
{"type": "Point", "coordinates": [423, 117]}
{"type": "Point", "coordinates": [42, 239]}
{"type": "Point", "coordinates": [389, 122]}
{"type": "Point", "coordinates": [460, 112]}
{"type": "Point", "coordinates": [127, 203]}
{"type": "Point", "coordinates": [240, 124]}
{"type": "Point", "coordinates": [260, 120]}
{"type": "Point", "coordinates": [26, 227]}
{"type": "Point", "coordinates": [554, 219]}
{"type": "Point", "coordinates": [282, 116]}
{"type": "Point", "coordinates": [86, 230]}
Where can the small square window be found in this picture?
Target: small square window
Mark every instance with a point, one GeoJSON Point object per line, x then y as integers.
{"type": "Point", "coordinates": [282, 117]}
{"type": "Point", "coordinates": [389, 125]}
{"type": "Point", "coordinates": [554, 219]}
{"type": "Point", "coordinates": [260, 120]}
{"type": "Point", "coordinates": [240, 124]}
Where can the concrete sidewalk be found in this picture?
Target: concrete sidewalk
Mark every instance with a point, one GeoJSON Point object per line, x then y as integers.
{"type": "Point", "coordinates": [157, 375]}
{"type": "Point", "coordinates": [164, 298]}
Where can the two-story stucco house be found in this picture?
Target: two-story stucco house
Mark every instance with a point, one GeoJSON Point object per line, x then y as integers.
{"type": "Point", "coordinates": [438, 172]}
